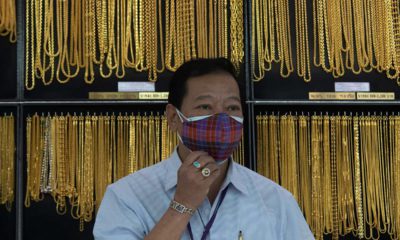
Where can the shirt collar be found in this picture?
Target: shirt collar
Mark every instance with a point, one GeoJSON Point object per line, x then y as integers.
{"type": "Point", "coordinates": [234, 175]}
{"type": "Point", "coordinates": [173, 163]}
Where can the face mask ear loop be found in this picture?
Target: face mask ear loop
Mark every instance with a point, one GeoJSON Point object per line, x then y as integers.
{"type": "Point", "coordinates": [181, 116]}
{"type": "Point", "coordinates": [180, 139]}
{"type": "Point", "coordinates": [238, 119]}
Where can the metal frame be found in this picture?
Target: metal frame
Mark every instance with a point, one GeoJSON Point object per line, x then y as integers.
{"type": "Point", "coordinates": [252, 161]}
{"type": "Point", "coordinates": [325, 103]}
{"type": "Point", "coordinates": [19, 201]}
{"type": "Point", "coordinates": [92, 103]}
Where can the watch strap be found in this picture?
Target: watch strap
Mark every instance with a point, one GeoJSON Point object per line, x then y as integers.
{"type": "Point", "coordinates": [180, 207]}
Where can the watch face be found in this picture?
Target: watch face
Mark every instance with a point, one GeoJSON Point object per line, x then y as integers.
{"type": "Point", "coordinates": [180, 208]}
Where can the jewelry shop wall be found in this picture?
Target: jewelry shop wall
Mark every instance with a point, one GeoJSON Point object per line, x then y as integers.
{"type": "Point", "coordinates": [314, 133]}
{"type": "Point", "coordinates": [291, 55]}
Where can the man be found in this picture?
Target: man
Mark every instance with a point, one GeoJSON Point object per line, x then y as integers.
{"type": "Point", "coordinates": [200, 192]}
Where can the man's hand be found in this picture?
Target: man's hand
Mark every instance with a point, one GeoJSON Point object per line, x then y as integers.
{"type": "Point", "coordinates": [193, 187]}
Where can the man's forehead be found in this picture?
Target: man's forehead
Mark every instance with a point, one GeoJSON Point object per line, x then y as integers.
{"type": "Point", "coordinates": [212, 83]}
{"type": "Point", "coordinates": [209, 96]}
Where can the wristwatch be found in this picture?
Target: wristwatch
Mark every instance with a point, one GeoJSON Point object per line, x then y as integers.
{"type": "Point", "coordinates": [180, 207]}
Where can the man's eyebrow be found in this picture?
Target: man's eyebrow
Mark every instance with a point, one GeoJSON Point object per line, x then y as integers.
{"type": "Point", "coordinates": [202, 97]}
{"type": "Point", "coordinates": [234, 98]}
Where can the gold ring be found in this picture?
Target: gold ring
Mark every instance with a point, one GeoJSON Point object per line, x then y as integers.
{"type": "Point", "coordinates": [205, 172]}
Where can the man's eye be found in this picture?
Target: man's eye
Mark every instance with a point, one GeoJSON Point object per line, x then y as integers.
{"type": "Point", "coordinates": [233, 108]}
{"type": "Point", "coordinates": [204, 107]}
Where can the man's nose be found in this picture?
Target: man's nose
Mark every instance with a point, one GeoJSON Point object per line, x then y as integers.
{"type": "Point", "coordinates": [219, 108]}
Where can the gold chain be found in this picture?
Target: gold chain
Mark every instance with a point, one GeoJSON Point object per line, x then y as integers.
{"type": "Point", "coordinates": [334, 152]}
{"type": "Point", "coordinates": [316, 177]}
{"type": "Point", "coordinates": [8, 20]}
{"type": "Point", "coordinates": [29, 138]}
{"type": "Point", "coordinates": [358, 180]}
{"type": "Point", "coordinates": [304, 166]}
{"type": "Point", "coordinates": [302, 45]}
{"type": "Point", "coordinates": [7, 163]}
{"type": "Point", "coordinates": [164, 137]}
{"type": "Point", "coordinates": [132, 143]}
{"type": "Point", "coordinates": [157, 138]}
{"type": "Point", "coordinates": [260, 143]}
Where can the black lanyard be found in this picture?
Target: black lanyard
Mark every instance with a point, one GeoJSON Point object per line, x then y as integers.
{"type": "Point", "coordinates": [211, 221]}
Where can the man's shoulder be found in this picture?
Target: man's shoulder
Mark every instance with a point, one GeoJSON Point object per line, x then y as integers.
{"type": "Point", "coordinates": [269, 190]}
{"type": "Point", "coordinates": [140, 179]}
{"type": "Point", "coordinates": [258, 180]}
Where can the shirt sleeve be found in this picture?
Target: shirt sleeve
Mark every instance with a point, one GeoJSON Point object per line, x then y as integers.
{"type": "Point", "coordinates": [116, 220]}
{"type": "Point", "coordinates": [295, 225]}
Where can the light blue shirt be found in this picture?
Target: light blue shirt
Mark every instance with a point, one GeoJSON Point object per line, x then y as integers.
{"type": "Point", "coordinates": [253, 204]}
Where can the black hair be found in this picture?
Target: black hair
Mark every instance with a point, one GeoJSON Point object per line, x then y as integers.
{"type": "Point", "coordinates": [196, 68]}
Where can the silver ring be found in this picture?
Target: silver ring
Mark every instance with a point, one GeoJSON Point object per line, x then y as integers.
{"type": "Point", "coordinates": [205, 172]}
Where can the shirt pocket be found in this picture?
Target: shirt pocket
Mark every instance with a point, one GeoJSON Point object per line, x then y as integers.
{"type": "Point", "coordinates": [259, 224]}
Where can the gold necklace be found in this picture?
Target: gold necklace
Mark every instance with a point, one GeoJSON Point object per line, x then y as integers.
{"type": "Point", "coordinates": [119, 166]}
{"type": "Point", "coordinates": [100, 171]}
{"type": "Point", "coordinates": [327, 180]}
{"type": "Point", "coordinates": [317, 154]}
{"type": "Point", "coordinates": [151, 139]}
{"type": "Point", "coordinates": [396, 138]}
{"type": "Point", "coordinates": [302, 46]}
{"type": "Point", "coordinates": [169, 37]}
{"type": "Point", "coordinates": [260, 156]}
{"type": "Point", "coordinates": [7, 145]}
{"type": "Point", "coordinates": [29, 46]}
{"type": "Point", "coordinates": [275, 145]}
{"type": "Point", "coordinates": [33, 160]}
{"type": "Point", "coordinates": [126, 142]}
{"type": "Point", "coordinates": [335, 220]}
{"type": "Point", "coordinates": [59, 192]}
{"type": "Point", "coordinates": [256, 41]}
{"type": "Point", "coordinates": [8, 21]}
{"type": "Point", "coordinates": [164, 140]}
{"type": "Point", "coordinates": [358, 179]}
{"type": "Point", "coordinates": [140, 141]}
{"type": "Point", "coordinates": [27, 202]}
{"type": "Point", "coordinates": [157, 137]}
{"type": "Point", "coordinates": [304, 166]}
{"type": "Point", "coordinates": [113, 148]}
{"type": "Point", "coordinates": [132, 145]}
{"type": "Point", "coordinates": [235, 22]}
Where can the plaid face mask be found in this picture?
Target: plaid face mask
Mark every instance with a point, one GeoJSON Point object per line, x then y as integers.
{"type": "Point", "coordinates": [218, 134]}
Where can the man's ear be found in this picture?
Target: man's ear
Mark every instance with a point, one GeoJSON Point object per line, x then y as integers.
{"type": "Point", "coordinates": [172, 117]}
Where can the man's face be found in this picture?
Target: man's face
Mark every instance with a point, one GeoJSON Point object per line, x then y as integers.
{"type": "Point", "coordinates": [206, 95]}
